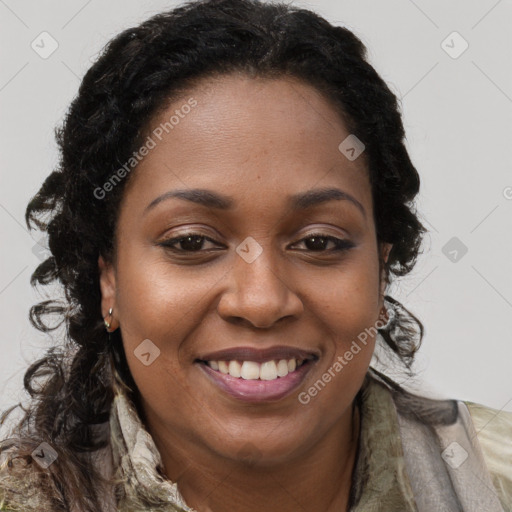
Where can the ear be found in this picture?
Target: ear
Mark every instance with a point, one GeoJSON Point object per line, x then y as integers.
{"type": "Point", "coordinates": [108, 290]}
{"type": "Point", "coordinates": [385, 249]}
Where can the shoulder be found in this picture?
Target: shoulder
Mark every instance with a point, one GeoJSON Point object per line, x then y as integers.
{"type": "Point", "coordinates": [494, 433]}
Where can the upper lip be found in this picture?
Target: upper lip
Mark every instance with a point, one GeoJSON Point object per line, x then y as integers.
{"type": "Point", "coordinates": [259, 355]}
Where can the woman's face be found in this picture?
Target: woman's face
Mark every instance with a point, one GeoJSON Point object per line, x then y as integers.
{"type": "Point", "coordinates": [260, 279]}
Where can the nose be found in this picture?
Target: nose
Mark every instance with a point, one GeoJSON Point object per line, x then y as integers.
{"type": "Point", "coordinates": [258, 294]}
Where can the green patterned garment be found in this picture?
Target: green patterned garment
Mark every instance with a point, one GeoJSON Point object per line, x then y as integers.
{"type": "Point", "coordinates": [415, 455]}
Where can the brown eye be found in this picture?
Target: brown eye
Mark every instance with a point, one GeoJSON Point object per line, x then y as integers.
{"type": "Point", "coordinates": [318, 243]}
{"type": "Point", "coordinates": [191, 242]}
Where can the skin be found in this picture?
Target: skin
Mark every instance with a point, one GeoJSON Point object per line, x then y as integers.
{"type": "Point", "coordinates": [257, 141]}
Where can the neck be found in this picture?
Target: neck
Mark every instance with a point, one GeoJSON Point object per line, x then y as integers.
{"type": "Point", "coordinates": [319, 480]}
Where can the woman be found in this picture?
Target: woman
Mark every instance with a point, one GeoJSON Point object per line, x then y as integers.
{"type": "Point", "coordinates": [232, 200]}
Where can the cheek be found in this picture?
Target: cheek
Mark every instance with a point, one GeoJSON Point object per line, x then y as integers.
{"type": "Point", "coordinates": [351, 335]}
{"type": "Point", "coordinates": [350, 310]}
{"type": "Point", "coordinates": [350, 298]}
{"type": "Point", "coordinates": [158, 308]}
{"type": "Point", "coordinates": [155, 296]}
{"type": "Point", "coordinates": [156, 302]}
{"type": "Point", "coordinates": [166, 304]}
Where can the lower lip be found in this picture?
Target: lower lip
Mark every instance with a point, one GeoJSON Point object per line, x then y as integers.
{"type": "Point", "coordinates": [258, 390]}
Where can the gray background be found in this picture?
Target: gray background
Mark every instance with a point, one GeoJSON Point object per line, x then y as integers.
{"type": "Point", "coordinates": [458, 118]}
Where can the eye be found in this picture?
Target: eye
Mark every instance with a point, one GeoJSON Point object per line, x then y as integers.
{"type": "Point", "coordinates": [194, 242]}
{"type": "Point", "coordinates": [188, 242]}
{"type": "Point", "coordinates": [319, 241]}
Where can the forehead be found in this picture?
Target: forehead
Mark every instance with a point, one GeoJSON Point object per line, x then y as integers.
{"type": "Point", "coordinates": [256, 139]}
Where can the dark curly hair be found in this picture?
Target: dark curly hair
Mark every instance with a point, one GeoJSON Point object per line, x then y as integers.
{"type": "Point", "coordinates": [138, 74]}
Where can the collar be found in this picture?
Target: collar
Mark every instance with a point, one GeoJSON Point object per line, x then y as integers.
{"type": "Point", "coordinates": [139, 462]}
{"type": "Point", "coordinates": [380, 481]}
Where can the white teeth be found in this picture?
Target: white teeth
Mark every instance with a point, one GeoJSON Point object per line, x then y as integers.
{"type": "Point", "coordinates": [234, 368]}
{"type": "Point", "coordinates": [250, 370]}
{"type": "Point", "coordinates": [282, 368]}
{"type": "Point", "coordinates": [223, 367]}
{"type": "Point", "coordinates": [268, 371]}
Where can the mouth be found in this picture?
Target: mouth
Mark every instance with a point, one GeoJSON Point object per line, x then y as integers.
{"type": "Point", "coordinates": [258, 375]}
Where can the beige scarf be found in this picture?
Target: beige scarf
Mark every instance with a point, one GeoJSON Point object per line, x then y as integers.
{"type": "Point", "coordinates": [415, 455]}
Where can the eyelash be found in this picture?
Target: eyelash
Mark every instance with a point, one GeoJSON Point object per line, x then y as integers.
{"type": "Point", "coordinates": [340, 244]}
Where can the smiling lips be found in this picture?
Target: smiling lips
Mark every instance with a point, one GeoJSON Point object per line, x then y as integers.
{"type": "Point", "coordinates": [258, 374]}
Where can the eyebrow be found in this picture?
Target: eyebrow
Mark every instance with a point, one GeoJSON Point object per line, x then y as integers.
{"type": "Point", "coordinates": [301, 201]}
